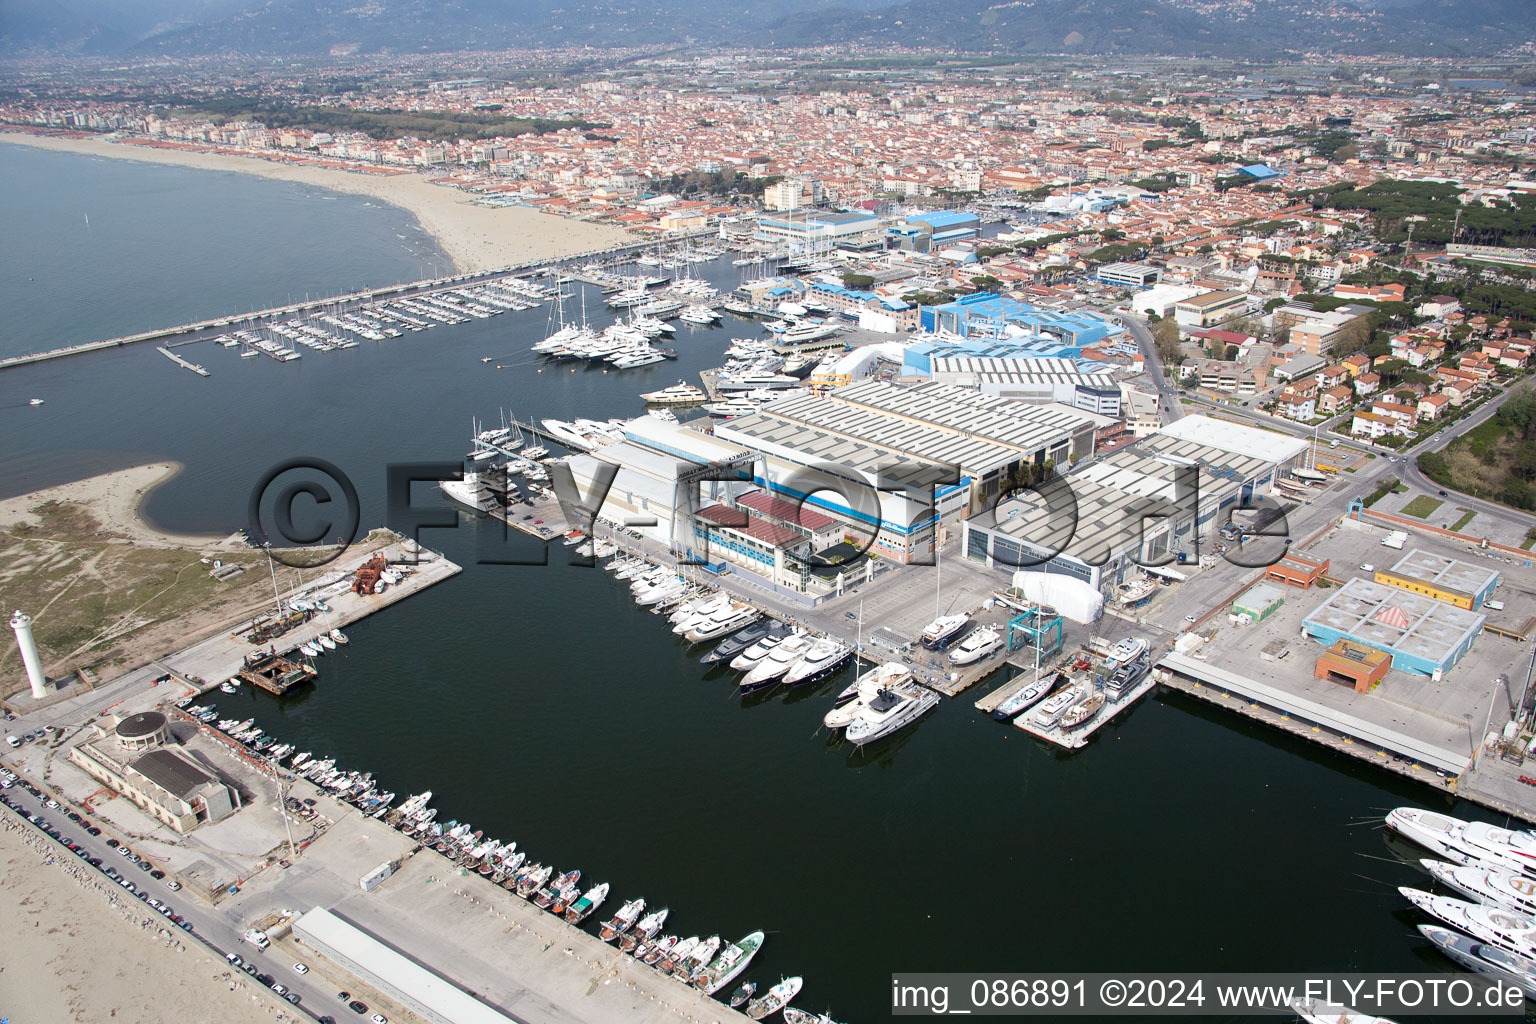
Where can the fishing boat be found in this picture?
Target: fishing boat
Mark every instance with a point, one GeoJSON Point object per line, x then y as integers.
{"type": "Point", "coordinates": [730, 963]}
{"type": "Point", "coordinates": [742, 994]}
{"type": "Point", "coordinates": [775, 999]}
{"type": "Point", "coordinates": [702, 954]}
{"type": "Point", "coordinates": [1080, 715]}
{"type": "Point", "coordinates": [590, 900]}
{"type": "Point", "coordinates": [623, 921]}
{"type": "Point", "coordinates": [657, 950]}
{"type": "Point", "coordinates": [339, 637]}
{"type": "Point", "coordinates": [678, 953]}
{"type": "Point", "coordinates": [1484, 958]}
{"type": "Point", "coordinates": [564, 898]}
{"type": "Point", "coordinates": [645, 931]}
{"type": "Point", "coordinates": [1026, 698]}
{"type": "Point", "coordinates": [795, 1016]}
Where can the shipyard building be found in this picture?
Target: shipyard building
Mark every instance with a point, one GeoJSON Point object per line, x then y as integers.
{"type": "Point", "coordinates": [874, 465]}
{"type": "Point", "coordinates": [1142, 504]}
{"type": "Point", "coordinates": [1419, 633]}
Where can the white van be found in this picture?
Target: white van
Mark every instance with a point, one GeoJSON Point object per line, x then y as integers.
{"type": "Point", "coordinates": [13, 741]}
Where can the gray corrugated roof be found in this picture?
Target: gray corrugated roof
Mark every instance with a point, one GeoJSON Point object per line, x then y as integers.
{"type": "Point", "coordinates": [172, 772]}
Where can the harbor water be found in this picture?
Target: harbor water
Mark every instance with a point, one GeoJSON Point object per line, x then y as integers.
{"type": "Point", "coordinates": [538, 702]}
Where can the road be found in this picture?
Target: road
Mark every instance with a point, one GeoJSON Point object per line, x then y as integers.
{"type": "Point", "coordinates": [1168, 394]}
{"type": "Point", "coordinates": [208, 926]}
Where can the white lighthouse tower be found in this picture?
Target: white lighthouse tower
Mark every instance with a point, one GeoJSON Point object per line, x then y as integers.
{"type": "Point", "coordinates": [22, 624]}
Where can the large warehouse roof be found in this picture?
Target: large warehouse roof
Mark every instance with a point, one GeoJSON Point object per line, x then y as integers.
{"type": "Point", "coordinates": [436, 998]}
{"type": "Point", "coordinates": [1394, 620]}
{"type": "Point", "coordinates": [1234, 437]}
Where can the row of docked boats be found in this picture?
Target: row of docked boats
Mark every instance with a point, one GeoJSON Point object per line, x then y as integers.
{"type": "Point", "coordinates": [1493, 929]}
{"type": "Point", "coordinates": [706, 964]}
{"type": "Point", "coordinates": [1060, 701]}
{"type": "Point", "coordinates": [769, 653]}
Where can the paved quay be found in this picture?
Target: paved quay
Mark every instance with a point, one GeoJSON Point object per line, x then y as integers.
{"type": "Point", "coordinates": [505, 951]}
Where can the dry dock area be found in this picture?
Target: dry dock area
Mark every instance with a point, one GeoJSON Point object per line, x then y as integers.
{"type": "Point", "coordinates": [209, 663]}
{"type": "Point", "coordinates": [1074, 739]}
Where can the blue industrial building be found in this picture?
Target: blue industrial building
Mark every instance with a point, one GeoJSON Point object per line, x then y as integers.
{"type": "Point", "coordinates": [918, 357]}
{"type": "Point", "coordinates": [1260, 172]}
{"type": "Point", "coordinates": [1422, 635]}
{"type": "Point", "coordinates": [987, 315]}
{"type": "Point", "coordinates": [928, 231]}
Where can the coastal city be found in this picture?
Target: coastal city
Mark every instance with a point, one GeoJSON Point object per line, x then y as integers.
{"type": "Point", "coordinates": [981, 455]}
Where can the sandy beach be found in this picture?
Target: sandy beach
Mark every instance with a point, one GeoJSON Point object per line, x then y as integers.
{"type": "Point", "coordinates": [114, 500]}
{"type": "Point", "coordinates": [79, 951]}
{"type": "Point", "coordinates": [475, 237]}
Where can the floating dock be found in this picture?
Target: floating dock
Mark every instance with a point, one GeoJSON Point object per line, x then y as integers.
{"type": "Point", "coordinates": [1078, 738]}
{"type": "Point", "coordinates": [184, 364]}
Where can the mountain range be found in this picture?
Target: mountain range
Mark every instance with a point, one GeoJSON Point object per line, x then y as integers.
{"type": "Point", "coordinates": [1194, 28]}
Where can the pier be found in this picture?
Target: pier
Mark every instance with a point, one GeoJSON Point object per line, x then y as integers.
{"type": "Point", "coordinates": [197, 331]}
{"type": "Point", "coordinates": [173, 357]}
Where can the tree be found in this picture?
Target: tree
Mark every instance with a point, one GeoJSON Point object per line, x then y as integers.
{"type": "Point", "coordinates": [1353, 337]}
{"type": "Point", "coordinates": [1165, 338]}
{"type": "Point", "coordinates": [851, 280]}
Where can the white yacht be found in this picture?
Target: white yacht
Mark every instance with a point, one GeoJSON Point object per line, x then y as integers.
{"type": "Point", "coordinates": [768, 671]}
{"type": "Point", "coordinates": [1504, 928]}
{"type": "Point", "coordinates": [857, 695]}
{"type": "Point", "coordinates": [1127, 650]}
{"type": "Point", "coordinates": [680, 393]}
{"type": "Point", "coordinates": [749, 659]}
{"type": "Point", "coordinates": [1501, 886]}
{"type": "Point", "coordinates": [466, 491]}
{"type": "Point", "coordinates": [1051, 711]}
{"type": "Point", "coordinates": [665, 589]}
{"type": "Point", "coordinates": [823, 658]}
{"type": "Point", "coordinates": [894, 707]}
{"type": "Point", "coordinates": [1466, 842]}
{"type": "Point", "coordinates": [756, 380]}
{"type": "Point", "coordinates": [977, 646]}
{"type": "Point", "coordinates": [804, 332]}
{"type": "Point", "coordinates": [735, 407]}
{"type": "Point", "coordinates": [941, 630]}
{"type": "Point", "coordinates": [721, 623]}
{"type": "Point", "coordinates": [699, 608]}
{"type": "Point", "coordinates": [1484, 958]}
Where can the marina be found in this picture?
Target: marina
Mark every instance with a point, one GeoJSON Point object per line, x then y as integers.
{"type": "Point", "coordinates": [411, 693]}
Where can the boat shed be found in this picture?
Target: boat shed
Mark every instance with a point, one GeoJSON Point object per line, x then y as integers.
{"type": "Point", "coordinates": [392, 972]}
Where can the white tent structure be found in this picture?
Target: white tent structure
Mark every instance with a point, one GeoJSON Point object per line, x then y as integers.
{"type": "Point", "coordinates": [1075, 599]}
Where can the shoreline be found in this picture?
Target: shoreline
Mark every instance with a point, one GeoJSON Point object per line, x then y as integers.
{"type": "Point", "coordinates": [475, 238]}
{"type": "Point", "coordinates": [116, 500]}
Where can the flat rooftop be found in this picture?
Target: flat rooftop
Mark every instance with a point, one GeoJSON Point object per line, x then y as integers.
{"type": "Point", "coordinates": [1449, 573]}
{"type": "Point", "coordinates": [1234, 437]}
{"type": "Point", "coordinates": [1392, 619]}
